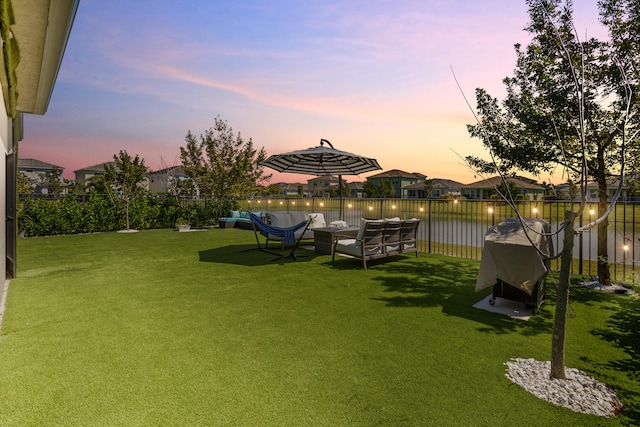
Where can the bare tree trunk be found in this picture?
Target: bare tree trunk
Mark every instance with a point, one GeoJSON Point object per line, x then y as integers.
{"type": "Point", "coordinates": [604, 274]}
{"type": "Point", "coordinates": [126, 212]}
{"type": "Point", "coordinates": [562, 299]}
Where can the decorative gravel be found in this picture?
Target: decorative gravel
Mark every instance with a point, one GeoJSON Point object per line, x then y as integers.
{"type": "Point", "coordinates": [579, 392]}
{"type": "Point", "coordinates": [614, 287]}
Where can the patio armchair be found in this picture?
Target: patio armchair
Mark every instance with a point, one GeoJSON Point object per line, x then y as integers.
{"type": "Point", "coordinates": [392, 236]}
{"type": "Point", "coordinates": [409, 236]}
{"type": "Point", "coordinates": [369, 243]}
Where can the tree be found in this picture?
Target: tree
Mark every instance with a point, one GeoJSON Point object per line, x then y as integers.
{"type": "Point", "coordinates": [335, 190]}
{"type": "Point", "coordinates": [508, 187]}
{"type": "Point", "coordinates": [74, 187]}
{"type": "Point", "coordinates": [222, 164]}
{"type": "Point", "coordinates": [544, 121]}
{"type": "Point", "coordinates": [273, 190]}
{"type": "Point", "coordinates": [25, 184]}
{"type": "Point", "coordinates": [53, 181]}
{"type": "Point", "coordinates": [572, 190]}
{"type": "Point", "coordinates": [428, 188]}
{"type": "Point", "coordinates": [386, 188]}
{"type": "Point", "coordinates": [123, 180]}
{"type": "Point", "coordinates": [371, 189]}
{"type": "Point", "coordinates": [185, 187]}
{"type": "Point", "coordinates": [169, 183]}
{"type": "Point", "coordinates": [572, 103]}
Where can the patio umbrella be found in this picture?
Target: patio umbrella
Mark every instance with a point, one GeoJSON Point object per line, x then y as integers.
{"type": "Point", "coordinates": [320, 161]}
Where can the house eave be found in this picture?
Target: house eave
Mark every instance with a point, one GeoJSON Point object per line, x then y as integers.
{"type": "Point", "coordinates": [42, 29]}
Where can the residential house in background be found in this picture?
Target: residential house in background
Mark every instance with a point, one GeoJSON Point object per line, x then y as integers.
{"type": "Point", "coordinates": [293, 188]}
{"type": "Point", "coordinates": [319, 186]}
{"type": "Point", "coordinates": [165, 180]}
{"type": "Point", "coordinates": [630, 191]}
{"type": "Point", "coordinates": [356, 189]}
{"type": "Point", "coordinates": [35, 170]}
{"type": "Point", "coordinates": [435, 188]}
{"type": "Point", "coordinates": [33, 45]}
{"type": "Point", "coordinates": [399, 179]}
{"type": "Point", "coordinates": [485, 188]}
{"type": "Point", "coordinates": [84, 174]}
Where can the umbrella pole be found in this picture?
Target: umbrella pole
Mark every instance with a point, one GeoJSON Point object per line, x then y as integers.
{"type": "Point", "coordinates": [340, 192]}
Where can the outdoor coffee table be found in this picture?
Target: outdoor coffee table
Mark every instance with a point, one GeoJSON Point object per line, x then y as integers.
{"type": "Point", "coordinates": [323, 238]}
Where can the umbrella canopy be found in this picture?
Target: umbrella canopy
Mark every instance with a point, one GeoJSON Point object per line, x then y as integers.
{"type": "Point", "coordinates": [321, 161]}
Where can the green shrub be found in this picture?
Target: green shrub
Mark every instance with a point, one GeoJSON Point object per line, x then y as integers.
{"type": "Point", "coordinates": [68, 215]}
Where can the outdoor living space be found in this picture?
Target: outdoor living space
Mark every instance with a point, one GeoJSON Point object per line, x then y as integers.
{"type": "Point", "coordinates": [167, 328]}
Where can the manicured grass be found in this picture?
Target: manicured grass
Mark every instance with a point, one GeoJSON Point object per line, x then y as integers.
{"type": "Point", "coordinates": [166, 328]}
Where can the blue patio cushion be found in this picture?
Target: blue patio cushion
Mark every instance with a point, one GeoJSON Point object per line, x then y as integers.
{"type": "Point", "coordinates": [287, 234]}
{"type": "Point", "coordinates": [235, 214]}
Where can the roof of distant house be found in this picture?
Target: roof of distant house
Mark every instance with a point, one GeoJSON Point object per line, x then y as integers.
{"type": "Point", "coordinates": [324, 177]}
{"type": "Point", "coordinates": [494, 181]}
{"type": "Point", "coordinates": [173, 170]}
{"type": "Point", "coordinates": [98, 167]}
{"type": "Point", "coordinates": [397, 173]}
{"type": "Point", "coordinates": [291, 186]}
{"type": "Point", "coordinates": [436, 183]}
{"type": "Point", "coordinates": [37, 164]}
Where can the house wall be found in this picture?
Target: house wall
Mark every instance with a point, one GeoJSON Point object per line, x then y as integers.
{"type": "Point", "coordinates": [83, 175]}
{"type": "Point", "coordinates": [6, 136]}
{"type": "Point", "coordinates": [320, 186]}
{"type": "Point", "coordinates": [397, 183]}
{"type": "Point", "coordinates": [162, 183]}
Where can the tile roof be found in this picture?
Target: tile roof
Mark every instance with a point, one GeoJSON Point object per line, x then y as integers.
{"type": "Point", "coordinates": [397, 173]}
{"type": "Point", "coordinates": [37, 164]}
{"type": "Point", "coordinates": [494, 181]}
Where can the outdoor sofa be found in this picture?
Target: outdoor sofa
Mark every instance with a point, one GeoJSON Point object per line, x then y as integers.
{"type": "Point", "coordinates": [238, 219]}
{"type": "Point", "coordinates": [289, 219]}
{"type": "Point", "coordinates": [379, 238]}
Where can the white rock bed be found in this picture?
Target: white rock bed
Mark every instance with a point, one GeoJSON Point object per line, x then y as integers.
{"type": "Point", "coordinates": [613, 288]}
{"type": "Point", "coordinates": [579, 392]}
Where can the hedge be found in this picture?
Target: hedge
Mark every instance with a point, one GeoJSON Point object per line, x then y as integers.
{"type": "Point", "coordinates": [72, 214]}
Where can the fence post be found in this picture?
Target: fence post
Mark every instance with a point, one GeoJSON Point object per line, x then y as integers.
{"type": "Point", "coordinates": [580, 248]}
{"type": "Point", "coordinates": [429, 226]}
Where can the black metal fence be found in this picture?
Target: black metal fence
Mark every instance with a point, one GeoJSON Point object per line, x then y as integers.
{"type": "Point", "coordinates": [457, 227]}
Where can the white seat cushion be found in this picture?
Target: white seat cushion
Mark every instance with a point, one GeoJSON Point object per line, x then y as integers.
{"type": "Point", "coordinates": [280, 219]}
{"type": "Point", "coordinates": [317, 220]}
{"type": "Point", "coordinates": [349, 247]}
{"type": "Point", "coordinates": [297, 217]}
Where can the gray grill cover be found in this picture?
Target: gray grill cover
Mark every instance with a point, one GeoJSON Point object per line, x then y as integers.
{"type": "Point", "coordinates": [509, 255]}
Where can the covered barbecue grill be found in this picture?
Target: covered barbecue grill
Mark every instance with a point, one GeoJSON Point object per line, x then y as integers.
{"type": "Point", "coordinates": [512, 265]}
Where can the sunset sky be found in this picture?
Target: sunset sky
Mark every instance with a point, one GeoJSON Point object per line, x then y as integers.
{"type": "Point", "coordinates": [373, 77]}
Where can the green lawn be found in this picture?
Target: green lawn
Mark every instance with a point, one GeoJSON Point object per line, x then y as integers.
{"type": "Point", "coordinates": [165, 328]}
